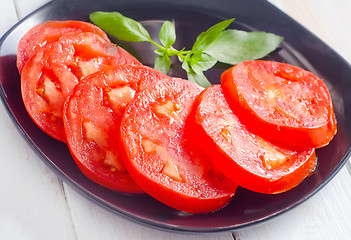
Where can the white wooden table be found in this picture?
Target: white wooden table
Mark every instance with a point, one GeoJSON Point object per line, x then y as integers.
{"type": "Point", "coordinates": [35, 204]}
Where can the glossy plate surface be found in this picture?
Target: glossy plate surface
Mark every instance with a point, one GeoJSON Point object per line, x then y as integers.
{"type": "Point", "coordinates": [300, 48]}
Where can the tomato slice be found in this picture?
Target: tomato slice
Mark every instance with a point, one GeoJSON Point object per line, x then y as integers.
{"type": "Point", "coordinates": [158, 157]}
{"type": "Point", "coordinates": [48, 32]}
{"type": "Point", "coordinates": [49, 77]}
{"type": "Point", "coordinates": [42, 93]}
{"type": "Point", "coordinates": [92, 117]}
{"type": "Point", "coordinates": [281, 102]}
{"type": "Point", "coordinates": [246, 158]}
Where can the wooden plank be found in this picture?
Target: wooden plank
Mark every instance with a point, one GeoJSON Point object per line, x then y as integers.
{"type": "Point", "coordinates": [329, 20]}
{"type": "Point", "coordinates": [32, 203]}
{"type": "Point", "coordinates": [25, 7]}
{"type": "Point", "coordinates": [325, 216]}
{"type": "Point", "coordinates": [93, 222]}
{"type": "Point", "coordinates": [8, 17]}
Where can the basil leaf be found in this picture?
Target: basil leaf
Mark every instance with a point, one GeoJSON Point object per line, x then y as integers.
{"type": "Point", "coordinates": [163, 64]}
{"type": "Point", "coordinates": [205, 38]}
{"type": "Point", "coordinates": [197, 69]}
{"type": "Point", "coordinates": [198, 78]}
{"type": "Point", "coordinates": [215, 44]}
{"type": "Point", "coordinates": [185, 62]}
{"type": "Point", "coordinates": [119, 26]}
{"type": "Point", "coordinates": [202, 61]}
{"type": "Point", "coordinates": [160, 52]}
{"type": "Point", "coordinates": [195, 64]}
{"type": "Point", "coordinates": [167, 34]}
{"type": "Point", "coordinates": [234, 46]}
{"type": "Point", "coordinates": [172, 52]}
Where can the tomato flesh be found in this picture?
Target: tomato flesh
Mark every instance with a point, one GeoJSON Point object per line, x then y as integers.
{"type": "Point", "coordinates": [48, 32]}
{"type": "Point", "coordinates": [246, 158]}
{"type": "Point", "coordinates": [281, 102]}
{"type": "Point", "coordinates": [92, 116]}
{"type": "Point", "coordinates": [157, 156]}
{"type": "Point", "coordinates": [93, 53]}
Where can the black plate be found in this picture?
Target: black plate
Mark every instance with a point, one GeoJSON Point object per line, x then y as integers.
{"type": "Point", "coordinates": [300, 48]}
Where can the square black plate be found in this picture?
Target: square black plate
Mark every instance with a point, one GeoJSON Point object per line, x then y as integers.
{"type": "Point", "coordinates": [300, 48]}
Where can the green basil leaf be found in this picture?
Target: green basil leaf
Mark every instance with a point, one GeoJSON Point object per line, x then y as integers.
{"type": "Point", "coordinates": [216, 44]}
{"type": "Point", "coordinates": [119, 26]}
{"type": "Point", "coordinates": [198, 78]}
{"type": "Point", "coordinates": [205, 38]}
{"type": "Point", "coordinates": [197, 69]}
{"type": "Point", "coordinates": [202, 61]}
{"type": "Point", "coordinates": [195, 64]}
{"type": "Point", "coordinates": [167, 34]}
{"type": "Point", "coordinates": [195, 56]}
{"type": "Point", "coordinates": [163, 64]}
{"type": "Point", "coordinates": [172, 52]}
{"type": "Point", "coordinates": [185, 62]}
{"type": "Point", "coordinates": [234, 46]}
{"type": "Point", "coordinates": [160, 52]}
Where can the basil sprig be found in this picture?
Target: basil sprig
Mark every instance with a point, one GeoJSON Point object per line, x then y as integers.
{"type": "Point", "coordinates": [214, 45]}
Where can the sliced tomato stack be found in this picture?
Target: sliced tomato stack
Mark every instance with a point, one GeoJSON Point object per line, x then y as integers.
{"type": "Point", "coordinates": [55, 56]}
{"type": "Point", "coordinates": [133, 129]}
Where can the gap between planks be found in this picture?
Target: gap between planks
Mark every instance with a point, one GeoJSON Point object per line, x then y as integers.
{"type": "Point", "coordinates": [348, 166]}
{"type": "Point", "coordinates": [68, 208]}
{"type": "Point", "coordinates": [17, 10]}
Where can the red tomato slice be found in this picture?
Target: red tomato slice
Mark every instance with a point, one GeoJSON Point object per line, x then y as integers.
{"type": "Point", "coordinates": [48, 32]}
{"type": "Point", "coordinates": [158, 158]}
{"type": "Point", "coordinates": [92, 117]}
{"type": "Point", "coordinates": [49, 77]}
{"type": "Point", "coordinates": [246, 158]}
{"type": "Point", "coordinates": [42, 93]}
{"type": "Point", "coordinates": [281, 102]}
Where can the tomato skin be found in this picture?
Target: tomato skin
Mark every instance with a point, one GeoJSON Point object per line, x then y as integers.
{"type": "Point", "coordinates": [242, 155]}
{"type": "Point", "coordinates": [157, 154]}
{"type": "Point", "coordinates": [48, 32]}
{"type": "Point", "coordinates": [92, 116]}
{"type": "Point", "coordinates": [281, 102]}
